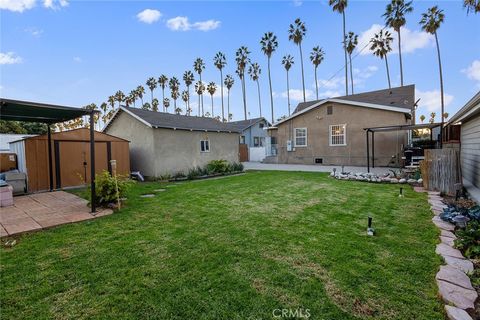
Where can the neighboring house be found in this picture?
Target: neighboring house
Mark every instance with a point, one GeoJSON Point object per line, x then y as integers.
{"type": "Point", "coordinates": [468, 119]}
{"type": "Point", "coordinates": [6, 138]}
{"type": "Point", "coordinates": [164, 143]}
{"type": "Point", "coordinates": [331, 131]}
{"type": "Point", "coordinates": [253, 135]}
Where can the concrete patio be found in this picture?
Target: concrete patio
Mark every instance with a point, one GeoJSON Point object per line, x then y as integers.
{"type": "Point", "coordinates": [44, 210]}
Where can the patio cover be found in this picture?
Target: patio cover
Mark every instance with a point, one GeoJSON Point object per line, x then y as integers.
{"type": "Point", "coordinates": [26, 111]}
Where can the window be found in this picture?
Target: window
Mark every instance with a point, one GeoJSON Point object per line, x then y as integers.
{"type": "Point", "coordinates": [204, 146]}
{"type": "Point", "coordinates": [242, 139]}
{"type": "Point", "coordinates": [329, 109]}
{"type": "Point", "coordinates": [338, 135]}
{"type": "Point", "coordinates": [300, 137]}
{"type": "Point", "coordinates": [261, 124]}
{"type": "Point", "coordinates": [258, 141]}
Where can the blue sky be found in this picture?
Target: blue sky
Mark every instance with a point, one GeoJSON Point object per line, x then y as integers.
{"type": "Point", "coordinates": [79, 52]}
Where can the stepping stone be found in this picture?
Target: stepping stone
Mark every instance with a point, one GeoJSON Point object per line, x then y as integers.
{"type": "Point", "coordinates": [448, 241]}
{"type": "Point", "coordinates": [448, 234]}
{"type": "Point", "coordinates": [436, 211]}
{"type": "Point", "coordinates": [445, 250]}
{"type": "Point", "coordinates": [159, 190]}
{"type": "Point", "coordinates": [454, 276]}
{"type": "Point", "coordinates": [461, 264]}
{"type": "Point", "coordinates": [454, 313]}
{"type": "Point", "coordinates": [418, 189]}
{"type": "Point", "coordinates": [147, 196]}
{"type": "Point", "coordinates": [434, 193]}
{"type": "Point", "coordinates": [458, 296]}
{"type": "Point", "coordinates": [443, 224]}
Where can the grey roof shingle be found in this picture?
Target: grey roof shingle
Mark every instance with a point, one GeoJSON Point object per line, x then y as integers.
{"type": "Point", "coordinates": [401, 97]}
{"type": "Point", "coordinates": [181, 122]}
{"type": "Point", "coordinates": [245, 124]}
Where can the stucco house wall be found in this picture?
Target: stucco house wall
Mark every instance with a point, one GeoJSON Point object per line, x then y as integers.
{"type": "Point", "coordinates": [317, 122]}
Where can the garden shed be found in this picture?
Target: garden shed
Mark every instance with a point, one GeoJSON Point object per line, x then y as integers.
{"type": "Point", "coordinates": [71, 157]}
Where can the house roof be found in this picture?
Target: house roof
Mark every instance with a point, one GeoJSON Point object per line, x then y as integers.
{"type": "Point", "coordinates": [401, 97]}
{"type": "Point", "coordinates": [243, 125]}
{"type": "Point", "coordinates": [471, 108]}
{"type": "Point", "coordinates": [155, 119]}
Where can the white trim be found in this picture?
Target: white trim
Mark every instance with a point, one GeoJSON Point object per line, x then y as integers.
{"type": "Point", "coordinates": [352, 103]}
{"type": "Point", "coordinates": [344, 135]}
{"type": "Point", "coordinates": [295, 138]}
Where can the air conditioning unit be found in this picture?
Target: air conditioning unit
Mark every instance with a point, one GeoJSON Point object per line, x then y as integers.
{"type": "Point", "coordinates": [289, 145]}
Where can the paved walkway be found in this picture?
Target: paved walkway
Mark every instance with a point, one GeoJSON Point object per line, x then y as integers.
{"type": "Point", "coordinates": [310, 168]}
{"type": "Point", "coordinates": [44, 210]}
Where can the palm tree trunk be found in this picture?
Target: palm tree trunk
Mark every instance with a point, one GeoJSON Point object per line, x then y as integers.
{"type": "Point", "coordinates": [316, 82]}
{"type": "Point", "coordinates": [351, 70]}
{"type": "Point", "coordinates": [202, 94]}
{"type": "Point", "coordinates": [199, 105]}
{"type": "Point", "coordinates": [212, 103]}
{"type": "Point", "coordinates": [151, 92]}
{"type": "Point", "coordinates": [244, 98]}
{"type": "Point", "coordinates": [142, 101]}
{"type": "Point", "coordinates": [442, 104]}
{"type": "Point", "coordinates": [188, 100]}
{"type": "Point", "coordinates": [400, 56]}
{"type": "Point", "coordinates": [288, 94]}
{"type": "Point", "coordinates": [259, 100]}
{"type": "Point", "coordinates": [228, 106]}
{"type": "Point", "coordinates": [163, 99]}
{"type": "Point", "coordinates": [134, 103]}
{"type": "Point", "coordinates": [221, 88]}
{"type": "Point", "coordinates": [270, 83]}
{"type": "Point", "coordinates": [388, 72]}
{"type": "Point", "coordinates": [303, 78]}
{"type": "Point", "coordinates": [345, 51]}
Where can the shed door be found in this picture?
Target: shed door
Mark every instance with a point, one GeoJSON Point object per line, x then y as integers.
{"type": "Point", "coordinates": [73, 162]}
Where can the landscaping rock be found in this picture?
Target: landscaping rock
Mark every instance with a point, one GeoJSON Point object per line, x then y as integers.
{"type": "Point", "coordinates": [420, 180]}
{"type": "Point", "coordinates": [458, 296]}
{"type": "Point", "coordinates": [393, 180]}
{"type": "Point", "coordinates": [454, 276]}
{"type": "Point", "coordinates": [445, 250]}
{"type": "Point", "coordinates": [402, 181]}
{"type": "Point", "coordinates": [448, 234]}
{"type": "Point", "coordinates": [442, 224]}
{"type": "Point", "coordinates": [411, 181]}
{"type": "Point", "coordinates": [454, 313]}
{"type": "Point", "coordinates": [447, 241]}
{"type": "Point", "coordinates": [461, 264]}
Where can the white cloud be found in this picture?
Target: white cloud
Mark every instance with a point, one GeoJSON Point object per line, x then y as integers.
{"type": "Point", "coordinates": [329, 94]}
{"type": "Point", "coordinates": [149, 16]}
{"type": "Point", "coordinates": [359, 77]}
{"type": "Point", "coordinates": [35, 32]}
{"type": "Point", "coordinates": [430, 100]}
{"type": "Point", "coordinates": [411, 40]}
{"type": "Point", "coordinates": [330, 84]}
{"type": "Point", "coordinates": [9, 58]}
{"type": "Point", "coordinates": [17, 5]}
{"type": "Point", "coordinates": [297, 3]}
{"type": "Point", "coordinates": [55, 4]}
{"type": "Point", "coordinates": [473, 70]}
{"type": "Point", "coordinates": [297, 94]}
{"type": "Point", "coordinates": [183, 24]}
{"type": "Point", "coordinates": [77, 59]}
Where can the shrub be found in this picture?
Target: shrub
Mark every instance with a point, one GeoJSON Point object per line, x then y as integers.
{"type": "Point", "coordinates": [218, 166]}
{"type": "Point", "coordinates": [469, 240]}
{"type": "Point", "coordinates": [105, 187]}
{"type": "Point", "coordinates": [236, 166]}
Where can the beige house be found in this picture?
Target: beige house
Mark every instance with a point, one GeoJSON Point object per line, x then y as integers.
{"type": "Point", "coordinates": [332, 131]}
{"type": "Point", "coordinates": [164, 143]}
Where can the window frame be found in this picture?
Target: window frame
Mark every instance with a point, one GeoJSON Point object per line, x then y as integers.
{"type": "Point", "coordinates": [208, 145]}
{"type": "Point", "coordinates": [295, 138]}
{"type": "Point", "coordinates": [243, 139]}
{"type": "Point", "coordinates": [330, 135]}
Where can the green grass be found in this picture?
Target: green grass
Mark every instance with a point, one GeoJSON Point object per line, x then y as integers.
{"type": "Point", "coordinates": [234, 248]}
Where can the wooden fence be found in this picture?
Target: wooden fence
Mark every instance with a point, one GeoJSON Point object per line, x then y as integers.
{"type": "Point", "coordinates": [441, 170]}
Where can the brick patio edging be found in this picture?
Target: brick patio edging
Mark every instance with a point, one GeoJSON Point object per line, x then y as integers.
{"type": "Point", "coordinates": [454, 285]}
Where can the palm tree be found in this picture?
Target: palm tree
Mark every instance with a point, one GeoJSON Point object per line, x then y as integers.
{"type": "Point", "coordinates": [220, 62]}
{"type": "Point", "coordinates": [316, 56]}
{"type": "Point", "coordinates": [254, 71]}
{"type": "Point", "coordinates": [104, 107]}
{"type": "Point", "coordinates": [445, 115]}
{"type": "Point", "coordinates": [146, 106]}
{"type": "Point", "coordinates": [140, 92]}
{"type": "Point", "coordinates": [340, 6]}
{"type": "Point", "coordinates": [432, 117]}
{"type": "Point", "coordinates": [151, 84]}
{"type": "Point", "coordinates": [229, 81]}
{"type": "Point", "coordinates": [174, 85]}
{"type": "Point", "coordinates": [381, 47]}
{"type": "Point", "coordinates": [269, 44]}
{"type": "Point", "coordinates": [395, 18]}
{"type": "Point", "coordinates": [186, 98]}
{"type": "Point", "coordinates": [120, 97]}
{"type": "Point", "coordinates": [155, 104]}
{"type": "Point", "coordinates": [178, 110]}
{"type": "Point", "coordinates": [111, 100]}
{"type": "Point", "coordinates": [199, 89]}
{"type": "Point", "coordinates": [242, 60]}
{"type": "Point", "coordinates": [199, 66]}
{"type": "Point", "coordinates": [422, 118]}
{"type": "Point", "coordinates": [287, 62]}
{"type": "Point", "coordinates": [296, 32]}
{"type": "Point", "coordinates": [351, 42]}
{"type": "Point", "coordinates": [162, 82]}
{"type": "Point", "coordinates": [166, 104]}
{"type": "Point", "coordinates": [430, 22]}
{"type": "Point", "coordinates": [473, 5]}
{"type": "Point", "coordinates": [211, 88]}
{"type": "Point", "coordinates": [133, 96]}
{"type": "Point", "coordinates": [188, 78]}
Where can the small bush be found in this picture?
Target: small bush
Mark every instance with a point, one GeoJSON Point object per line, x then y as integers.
{"type": "Point", "coordinates": [236, 166]}
{"type": "Point", "coordinates": [218, 166]}
{"type": "Point", "coordinates": [105, 188]}
{"type": "Point", "coordinates": [469, 240]}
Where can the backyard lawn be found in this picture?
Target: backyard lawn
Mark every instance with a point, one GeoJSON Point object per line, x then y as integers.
{"type": "Point", "coordinates": [238, 247]}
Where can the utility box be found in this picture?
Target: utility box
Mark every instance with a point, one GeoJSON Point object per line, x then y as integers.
{"type": "Point", "coordinates": [289, 145]}
{"type": "Point", "coordinates": [18, 181]}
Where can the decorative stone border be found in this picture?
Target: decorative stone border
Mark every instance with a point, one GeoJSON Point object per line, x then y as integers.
{"type": "Point", "coordinates": [454, 285]}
